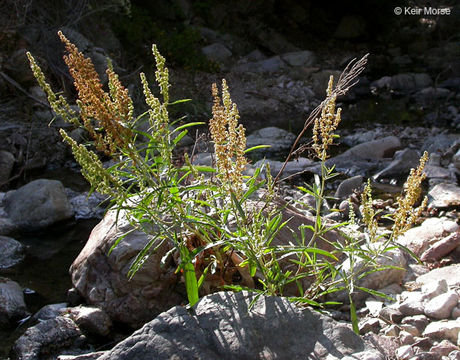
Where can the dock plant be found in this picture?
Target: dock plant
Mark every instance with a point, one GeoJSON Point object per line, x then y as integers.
{"type": "Point", "coordinates": [221, 222]}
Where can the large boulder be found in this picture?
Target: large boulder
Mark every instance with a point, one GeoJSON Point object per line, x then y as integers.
{"type": "Point", "coordinates": [225, 326]}
{"type": "Point", "coordinates": [50, 337]}
{"type": "Point", "coordinates": [12, 253]}
{"type": "Point", "coordinates": [12, 305]}
{"type": "Point", "coordinates": [38, 204]}
{"type": "Point", "coordinates": [280, 140]}
{"type": "Point", "coordinates": [101, 278]}
{"type": "Point", "coordinates": [374, 150]}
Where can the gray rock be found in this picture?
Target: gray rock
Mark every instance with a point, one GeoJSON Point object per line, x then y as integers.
{"type": "Point", "coordinates": [441, 248]}
{"type": "Point", "coordinates": [411, 329]}
{"type": "Point", "coordinates": [38, 204]}
{"type": "Point", "coordinates": [419, 238]}
{"type": "Point", "coordinates": [391, 330]}
{"type": "Point", "coordinates": [456, 160]}
{"type": "Point", "coordinates": [6, 225]}
{"type": "Point", "coordinates": [375, 149]}
{"type": "Point", "coordinates": [444, 195]}
{"type": "Point", "coordinates": [102, 278]}
{"type": "Point", "coordinates": [403, 161]}
{"type": "Point", "coordinates": [12, 305]}
{"type": "Point", "coordinates": [405, 352]}
{"type": "Point", "coordinates": [298, 166]}
{"type": "Point", "coordinates": [439, 143]}
{"type": "Point", "coordinates": [270, 65]}
{"type": "Point", "coordinates": [413, 303]}
{"type": "Point", "coordinates": [444, 329]}
{"type": "Point", "coordinates": [255, 55]}
{"type": "Point", "coordinates": [358, 138]}
{"type": "Point", "coordinates": [280, 140]}
{"type": "Point", "coordinates": [90, 356]}
{"type": "Point", "coordinates": [391, 314]}
{"type": "Point", "coordinates": [92, 321]}
{"type": "Point", "coordinates": [12, 253]}
{"type": "Point", "coordinates": [405, 83]}
{"type": "Point", "coordinates": [6, 166]}
{"type": "Point", "coordinates": [369, 325]}
{"type": "Point", "coordinates": [86, 205]}
{"type": "Point", "coordinates": [203, 159]}
{"type": "Point", "coordinates": [441, 306]}
{"type": "Point", "coordinates": [422, 80]}
{"type": "Point", "coordinates": [216, 52]}
{"type": "Point", "coordinates": [406, 338]}
{"type": "Point", "coordinates": [450, 273]}
{"type": "Point", "coordinates": [49, 312]}
{"type": "Point", "coordinates": [394, 259]}
{"type": "Point", "coordinates": [300, 58]}
{"type": "Point", "coordinates": [431, 94]}
{"type": "Point", "coordinates": [418, 321]}
{"type": "Point", "coordinates": [434, 288]}
{"type": "Point", "coordinates": [346, 187]}
{"type": "Point", "coordinates": [455, 312]}
{"type": "Point", "coordinates": [48, 337]}
{"type": "Point", "coordinates": [223, 327]}
{"type": "Point", "coordinates": [444, 348]}
{"type": "Point", "coordinates": [438, 174]}
{"type": "Point", "coordinates": [454, 355]}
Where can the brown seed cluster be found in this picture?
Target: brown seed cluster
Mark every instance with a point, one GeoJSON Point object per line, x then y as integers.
{"type": "Point", "coordinates": [406, 215]}
{"type": "Point", "coordinates": [325, 125]}
{"type": "Point", "coordinates": [229, 140]}
{"type": "Point", "coordinates": [105, 116]}
{"type": "Point", "coordinates": [368, 211]}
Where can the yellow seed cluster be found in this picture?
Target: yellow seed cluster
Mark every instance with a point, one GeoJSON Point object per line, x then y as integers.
{"type": "Point", "coordinates": [368, 211]}
{"type": "Point", "coordinates": [325, 125]}
{"type": "Point", "coordinates": [112, 113]}
{"type": "Point", "coordinates": [92, 168]}
{"type": "Point", "coordinates": [161, 74]}
{"type": "Point", "coordinates": [59, 104]}
{"type": "Point", "coordinates": [406, 215]}
{"type": "Point", "coordinates": [229, 140]}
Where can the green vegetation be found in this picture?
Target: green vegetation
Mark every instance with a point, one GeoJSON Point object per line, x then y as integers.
{"type": "Point", "coordinates": [223, 224]}
{"type": "Point", "coordinates": [181, 44]}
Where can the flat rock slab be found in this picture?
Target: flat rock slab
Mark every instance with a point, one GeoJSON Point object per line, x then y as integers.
{"type": "Point", "coordinates": [221, 326]}
{"type": "Point", "coordinates": [444, 195]}
{"type": "Point", "coordinates": [420, 238]}
{"type": "Point", "coordinates": [450, 273]}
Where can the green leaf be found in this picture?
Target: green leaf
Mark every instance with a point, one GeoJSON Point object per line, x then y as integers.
{"type": "Point", "coordinates": [199, 168]}
{"type": "Point", "coordinates": [354, 316]}
{"type": "Point", "coordinates": [203, 276]}
{"type": "Point", "coordinates": [185, 126]}
{"type": "Point", "coordinates": [304, 301]}
{"type": "Point", "coordinates": [191, 285]}
{"type": "Point", "coordinates": [251, 190]}
{"type": "Point", "coordinates": [179, 102]}
{"type": "Point", "coordinates": [179, 137]}
{"type": "Point", "coordinates": [376, 293]}
{"type": "Point", "coordinates": [238, 206]}
{"type": "Point", "coordinates": [256, 148]}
